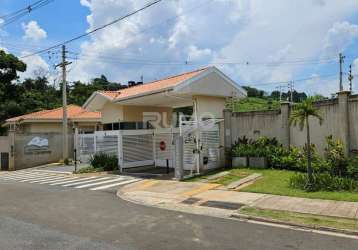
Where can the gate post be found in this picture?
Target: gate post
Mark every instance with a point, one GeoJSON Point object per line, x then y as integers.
{"type": "Point", "coordinates": [179, 158]}
{"type": "Point", "coordinates": [11, 135]}
{"type": "Point", "coordinates": [120, 151]}
{"type": "Point", "coordinates": [227, 137]}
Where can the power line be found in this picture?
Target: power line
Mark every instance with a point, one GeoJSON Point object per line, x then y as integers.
{"type": "Point", "coordinates": [14, 16]}
{"type": "Point", "coordinates": [287, 82]}
{"type": "Point", "coordinates": [96, 29]}
{"type": "Point", "coordinates": [85, 56]}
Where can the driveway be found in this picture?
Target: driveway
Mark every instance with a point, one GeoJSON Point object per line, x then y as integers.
{"type": "Point", "coordinates": [54, 217]}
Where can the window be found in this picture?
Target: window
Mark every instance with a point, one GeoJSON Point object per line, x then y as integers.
{"type": "Point", "coordinates": [127, 126]}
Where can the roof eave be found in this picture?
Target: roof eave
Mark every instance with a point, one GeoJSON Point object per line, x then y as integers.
{"type": "Point", "coordinates": [205, 73]}
{"type": "Point", "coordinates": [94, 94]}
{"type": "Point", "coordinates": [117, 100]}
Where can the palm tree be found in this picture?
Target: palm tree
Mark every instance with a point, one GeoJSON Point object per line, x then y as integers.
{"type": "Point", "coordinates": [300, 115]}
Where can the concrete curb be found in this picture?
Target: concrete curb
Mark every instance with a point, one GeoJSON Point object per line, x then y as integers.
{"type": "Point", "coordinates": [189, 209]}
{"type": "Point", "coordinates": [273, 221]}
{"type": "Point", "coordinates": [234, 215]}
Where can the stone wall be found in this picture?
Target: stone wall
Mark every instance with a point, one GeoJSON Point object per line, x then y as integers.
{"type": "Point", "coordinates": [35, 149]}
{"type": "Point", "coordinates": [340, 120]}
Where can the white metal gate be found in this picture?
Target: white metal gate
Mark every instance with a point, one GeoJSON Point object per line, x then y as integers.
{"type": "Point", "coordinates": [201, 143]}
{"type": "Point", "coordinates": [135, 148]}
{"type": "Point", "coordinates": [85, 146]}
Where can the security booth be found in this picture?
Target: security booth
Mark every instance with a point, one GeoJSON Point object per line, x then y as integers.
{"type": "Point", "coordinates": [141, 123]}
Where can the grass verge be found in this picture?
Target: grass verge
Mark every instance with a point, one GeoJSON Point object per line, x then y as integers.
{"type": "Point", "coordinates": [302, 219]}
{"type": "Point", "coordinates": [277, 182]}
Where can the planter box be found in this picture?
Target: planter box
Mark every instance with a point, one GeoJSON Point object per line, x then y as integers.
{"type": "Point", "coordinates": [239, 162]}
{"type": "Point", "coordinates": [258, 162]}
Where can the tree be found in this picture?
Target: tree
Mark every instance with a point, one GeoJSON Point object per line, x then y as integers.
{"type": "Point", "coordinates": [300, 116]}
{"type": "Point", "coordinates": [9, 68]}
{"type": "Point", "coordinates": [253, 92]}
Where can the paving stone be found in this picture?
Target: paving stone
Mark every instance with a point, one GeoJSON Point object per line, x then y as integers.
{"type": "Point", "coordinates": [242, 181]}
{"type": "Point", "coordinates": [218, 175]}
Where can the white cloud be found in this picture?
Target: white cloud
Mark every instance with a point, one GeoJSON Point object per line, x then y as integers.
{"type": "Point", "coordinates": [36, 66]}
{"type": "Point", "coordinates": [339, 37]}
{"type": "Point", "coordinates": [355, 66]}
{"type": "Point", "coordinates": [197, 54]}
{"type": "Point", "coordinates": [33, 31]}
{"type": "Point", "coordinates": [217, 30]}
{"type": "Point", "coordinates": [288, 30]}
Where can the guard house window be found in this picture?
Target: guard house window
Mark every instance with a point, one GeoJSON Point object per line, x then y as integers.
{"type": "Point", "coordinates": [127, 126]}
{"type": "Point", "coordinates": [111, 126]}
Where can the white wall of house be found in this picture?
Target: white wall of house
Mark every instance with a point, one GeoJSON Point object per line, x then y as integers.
{"type": "Point", "coordinates": [210, 105]}
{"type": "Point", "coordinates": [112, 113]}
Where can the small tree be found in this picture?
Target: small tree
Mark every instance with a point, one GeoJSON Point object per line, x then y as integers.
{"type": "Point", "coordinates": [300, 115]}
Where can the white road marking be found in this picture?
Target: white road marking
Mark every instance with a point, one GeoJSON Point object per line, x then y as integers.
{"type": "Point", "coordinates": [114, 185]}
{"type": "Point", "coordinates": [24, 175]}
{"type": "Point", "coordinates": [35, 180]}
{"type": "Point", "coordinates": [52, 181]}
{"type": "Point", "coordinates": [77, 179]}
{"type": "Point", "coordinates": [99, 183]}
{"type": "Point", "coordinates": [92, 182]}
{"type": "Point", "coordinates": [83, 182]}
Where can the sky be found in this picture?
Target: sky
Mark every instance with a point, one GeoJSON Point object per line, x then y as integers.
{"type": "Point", "coordinates": [259, 43]}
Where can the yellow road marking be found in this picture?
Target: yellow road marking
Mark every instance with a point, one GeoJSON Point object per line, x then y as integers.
{"type": "Point", "coordinates": [200, 189]}
{"type": "Point", "coordinates": [147, 183]}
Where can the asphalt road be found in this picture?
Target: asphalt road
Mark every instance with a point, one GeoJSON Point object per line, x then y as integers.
{"type": "Point", "coordinates": [36, 216]}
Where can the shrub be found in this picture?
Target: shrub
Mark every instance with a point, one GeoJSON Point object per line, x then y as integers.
{"type": "Point", "coordinates": [352, 168]}
{"type": "Point", "coordinates": [259, 148]}
{"type": "Point", "coordinates": [323, 182]}
{"type": "Point", "coordinates": [105, 161]}
{"type": "Point", "coordinates": [283, 158]}
{"type": "Point", "coordinates": [335, 156]}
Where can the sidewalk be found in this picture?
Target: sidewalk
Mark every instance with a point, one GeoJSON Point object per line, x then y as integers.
{"type": "Point", "coordinates": [209, 198]}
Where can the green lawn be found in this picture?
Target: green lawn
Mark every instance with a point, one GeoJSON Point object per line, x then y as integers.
{"type": "Point", "coordinates": [277, 182]}
{"type": "Point", "coordinates": [253, 104]}
{"type": "Point", "coordinates": [302, 219]}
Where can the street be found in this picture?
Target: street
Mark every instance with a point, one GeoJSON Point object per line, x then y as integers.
{"type": "Point", "coordinates": [49, 217]}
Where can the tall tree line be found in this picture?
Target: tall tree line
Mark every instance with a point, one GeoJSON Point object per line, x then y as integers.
{"type": "Point", "coordinates": [30, 95]}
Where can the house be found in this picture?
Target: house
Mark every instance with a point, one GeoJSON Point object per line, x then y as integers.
{"type": "Point", "coordinates": [204, 91]}
{"type": "Point", "coordinates": [50, 121]}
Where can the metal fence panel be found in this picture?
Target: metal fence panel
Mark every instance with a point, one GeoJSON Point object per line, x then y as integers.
{"type": "Point", "coordinates": [137, 150]}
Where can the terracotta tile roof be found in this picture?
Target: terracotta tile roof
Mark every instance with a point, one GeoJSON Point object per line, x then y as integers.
{"type": "Point", "coordinates": [151, 86]}
{"type": "Point", "coordinates": [73, 112]}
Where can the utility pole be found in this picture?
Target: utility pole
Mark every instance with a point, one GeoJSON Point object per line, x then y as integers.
{"type": "Point", "coordinates": [341, 61]}
{"type": "Point", "coordinates": [350, 78]}
{"type": "Point", "coordinates": [64, 104]}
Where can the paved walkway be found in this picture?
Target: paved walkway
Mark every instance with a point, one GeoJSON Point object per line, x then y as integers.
{"type": "Point", "coordinates": [172, 194]}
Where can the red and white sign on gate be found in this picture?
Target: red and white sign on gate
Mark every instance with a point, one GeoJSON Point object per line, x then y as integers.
{"type": "Point", "coordinates": [162, 145]}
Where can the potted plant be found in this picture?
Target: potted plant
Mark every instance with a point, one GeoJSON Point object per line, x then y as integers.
{"type": "Point", "coordinates": [258, 158]}
{"type": "Point", "coordinates": [239, 155]}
